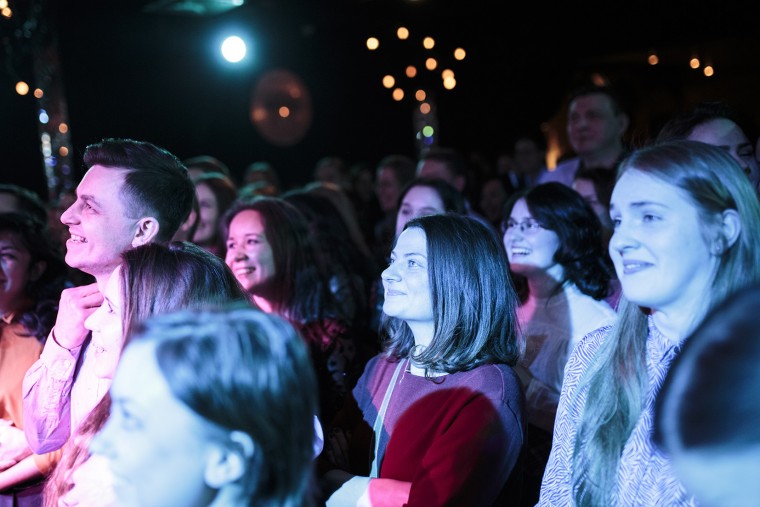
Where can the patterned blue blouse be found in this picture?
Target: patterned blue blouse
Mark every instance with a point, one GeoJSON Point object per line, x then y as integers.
{"type": "Point", "coordinates": [645, 476]}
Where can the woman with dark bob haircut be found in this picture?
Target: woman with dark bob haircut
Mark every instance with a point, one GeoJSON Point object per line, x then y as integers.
{"type": "Point", "coordinates": [443, 400]}
{"type": "Point", "coordinates": [553, 241]}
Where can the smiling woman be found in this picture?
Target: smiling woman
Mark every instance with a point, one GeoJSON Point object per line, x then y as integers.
{"type": "Point", "coordinates": [272, 255]}
{"type": "Point", "coordinates": [31, 279]}
{"type": "Point", "coordinates": [687, 235]}
{"type": "Point", "coordinates": [444, 403]}
{"type": "Point", "coordinates": [553, 241]}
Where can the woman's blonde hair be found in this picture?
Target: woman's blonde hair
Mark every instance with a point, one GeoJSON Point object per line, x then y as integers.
{"type": "Point", "coordinates": [618, 380]}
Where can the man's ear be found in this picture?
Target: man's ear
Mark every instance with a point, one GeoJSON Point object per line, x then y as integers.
{"type": "Point", "coordinates": [147, 230]}
{"type": "Point", "coordinates": [229, 461]}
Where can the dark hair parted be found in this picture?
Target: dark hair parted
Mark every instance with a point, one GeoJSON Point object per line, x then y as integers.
{"type": "Point", "coordinates": [452, 199]}
{"type": "Point", "coordinates": [45, 291]}
{"type": "Point", "coordinates": [257, 380]}
{"type": "Point", "coordinates": [298, 290]}
{"type": "Point", "coordinates": [565, 212]}
{"type": "Point", "coordinates": [473, 299]}
{"type": "Point", "coordinates": [156, 183]}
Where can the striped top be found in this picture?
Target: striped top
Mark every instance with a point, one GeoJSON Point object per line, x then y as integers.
{"type": "Point", "coordinates": [645, 475]}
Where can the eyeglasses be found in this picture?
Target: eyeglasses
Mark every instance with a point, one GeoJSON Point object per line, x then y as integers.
{"type": "Point", "coordinates": [527, 227]}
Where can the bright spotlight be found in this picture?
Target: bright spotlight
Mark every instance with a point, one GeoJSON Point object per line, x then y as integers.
{"type": "Point", "coordinates": [233, 49]}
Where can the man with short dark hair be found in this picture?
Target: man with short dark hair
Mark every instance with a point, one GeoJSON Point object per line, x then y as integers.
{"type": "Point", "coordinates": [133, 193]}
{"type": "Point", "coordinates": [596, 123]}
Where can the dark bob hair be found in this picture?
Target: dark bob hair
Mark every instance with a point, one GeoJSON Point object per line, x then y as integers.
{"type": "Point", "coordinates": [474, 302]}
{"type": "Point", "coordinates": [564, 211]}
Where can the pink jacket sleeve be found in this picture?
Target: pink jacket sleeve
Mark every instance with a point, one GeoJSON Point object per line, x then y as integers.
{"type": "Point", "coordinates": [47, 397]}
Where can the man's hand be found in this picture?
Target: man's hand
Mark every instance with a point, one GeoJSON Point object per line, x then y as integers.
{"type": "Point", "coordinates": [76, 304]}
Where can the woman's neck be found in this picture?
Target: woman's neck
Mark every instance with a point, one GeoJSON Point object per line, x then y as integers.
{"type": "Point", "coordinates": [262, 304]}
{"type": "Point", "coordinates": [422, 332]}
{"type": "Point", "coordinates": [673, 325]}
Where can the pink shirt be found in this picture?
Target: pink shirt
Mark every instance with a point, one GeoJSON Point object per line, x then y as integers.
{"type": "Point", "coordinates": [60, 390]}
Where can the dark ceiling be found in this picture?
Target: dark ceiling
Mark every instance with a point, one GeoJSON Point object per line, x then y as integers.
{"type": "Point", "coordinates": [149, 70]}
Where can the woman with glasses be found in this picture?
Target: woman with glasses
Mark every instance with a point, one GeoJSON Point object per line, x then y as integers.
{"type": "Point", "coordinates": [553, 240]}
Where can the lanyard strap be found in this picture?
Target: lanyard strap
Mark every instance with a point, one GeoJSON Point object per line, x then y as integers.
{"type": "Point", "coordinates": [378, 428]}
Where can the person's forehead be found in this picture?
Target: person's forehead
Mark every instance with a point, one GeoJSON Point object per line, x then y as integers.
{"type": "Point", "coordinates": [719, 131]}
{"type": "Point", "coordinates": [423, 195]}
{"type": "Point", "coordinates": [102, 179]}
{"type": "Point", "coordinates": [595, 101]}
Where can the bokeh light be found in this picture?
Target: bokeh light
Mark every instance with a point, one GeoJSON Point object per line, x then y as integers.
{"type": "Point", "coordinates": [233, 49]}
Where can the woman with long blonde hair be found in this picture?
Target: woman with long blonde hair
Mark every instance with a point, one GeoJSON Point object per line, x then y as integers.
{"type": "Point", "coordinates": [687, 234]}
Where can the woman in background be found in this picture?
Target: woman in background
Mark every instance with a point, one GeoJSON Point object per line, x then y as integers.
{"type": "Point", "coordinates": [32, 276]}
{"type": "Point", "coordinates": [269, 250]}
{"type": "Point", "coordinates": [214, 192]}
{"type": "Point", "coordinates": [553, 241]}
{"type": "Point", "coordinates": [427, 196]}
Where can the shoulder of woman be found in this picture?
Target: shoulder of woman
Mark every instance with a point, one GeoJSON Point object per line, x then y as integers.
{"type": "Point", "coordinates": [584, 352]}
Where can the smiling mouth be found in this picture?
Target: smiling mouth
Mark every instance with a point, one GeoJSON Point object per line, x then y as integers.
{"type": "Point", "coordinates": [520, 251]}
{"type": "Point", "coordinates": [245, 271]}
{"type": "Point", "coordinates": [634, 267]}
{"type": "Point", "coordinates": [77, 239]}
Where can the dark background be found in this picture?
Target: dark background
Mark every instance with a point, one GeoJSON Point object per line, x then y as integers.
{"type": "Point", "coordinates": [157, 76]}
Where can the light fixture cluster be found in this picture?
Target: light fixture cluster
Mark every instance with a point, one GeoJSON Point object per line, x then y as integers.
{"type": "Point", "coordinates": [412, 80]}
{"type": "Point", "coordinates": [694, 62]}
{"type": "Point", "coordinates": [430, 62]}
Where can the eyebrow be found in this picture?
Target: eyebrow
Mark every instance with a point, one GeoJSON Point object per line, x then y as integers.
{"type": "Point", "coordinates": [641, 204]}
{"type": "Point", "coordinates": [410, 254]}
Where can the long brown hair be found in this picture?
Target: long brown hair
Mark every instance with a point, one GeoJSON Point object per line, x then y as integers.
{"type": "Point", "coordinates": [155, 279]}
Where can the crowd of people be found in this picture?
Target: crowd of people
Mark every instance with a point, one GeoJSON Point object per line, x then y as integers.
{"type": "Point", "coordinates": [406, 334]}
